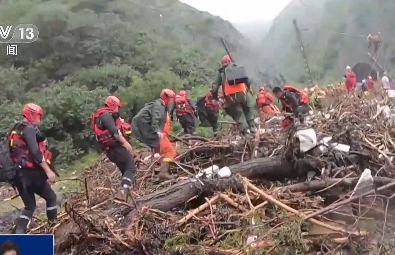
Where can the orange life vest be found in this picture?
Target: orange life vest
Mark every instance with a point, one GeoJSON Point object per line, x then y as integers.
{"type": "Point", "coordinates": [104, 138]}
{"type": "Point", "coordinates": [19, 151]}
{"type": "Point", "coordinates": [264, 98]}
{"type": "Point", "coordinates": [233, 89]}
{"type": "Point", "coordinates": [183, 107]}
{"type": "Point", "coordinates": [209, 104]}
{"type": "Point", "coordinates": [301, 95]}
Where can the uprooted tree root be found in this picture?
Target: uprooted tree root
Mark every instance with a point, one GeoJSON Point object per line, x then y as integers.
{"type": "Point", "coordinates": [250, 211]}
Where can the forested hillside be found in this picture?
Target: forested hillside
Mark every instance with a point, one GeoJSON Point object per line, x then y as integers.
{"type": "Point", "coordinates": [334, 33]}
{"type": "Point", "coordinates": [89, 49]}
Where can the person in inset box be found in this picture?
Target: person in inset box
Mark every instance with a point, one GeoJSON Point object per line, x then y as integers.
{"type": "Point", "coordinates": [9, 248]}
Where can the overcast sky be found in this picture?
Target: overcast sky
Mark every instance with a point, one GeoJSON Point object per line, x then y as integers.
{"type": "Point", "coordinates": [240, 10]}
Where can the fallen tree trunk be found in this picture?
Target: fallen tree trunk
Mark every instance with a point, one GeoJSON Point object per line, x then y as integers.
{"type": "Point", "coordinates": [179, 195]}
{"type": "Point", "coordinates": [318, 185]}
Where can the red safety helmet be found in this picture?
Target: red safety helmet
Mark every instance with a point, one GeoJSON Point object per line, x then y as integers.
{"type": "Point", "coordinates": [113, 102]}
{"type": "Point", "coordinates": [183, 93]}
{"type": "Point", "coordinates": [166, 94]}
{"type": "Point", "coordinates": [226, 60]}
{"type": "Point", "coordinates": [32, 112]}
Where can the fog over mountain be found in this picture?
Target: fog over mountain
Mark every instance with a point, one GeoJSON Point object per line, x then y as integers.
{"type": "Point", "coordinates": [253, 30]}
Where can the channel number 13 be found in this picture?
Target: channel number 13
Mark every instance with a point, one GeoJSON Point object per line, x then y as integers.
{"type": "Point", "coordinates": [27, 33]}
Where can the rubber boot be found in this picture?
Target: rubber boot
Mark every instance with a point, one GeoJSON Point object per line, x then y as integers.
{"type": "Point", "coordinates": [247, 134]}
{"type": "Point", "coordinates": [164, 172]}
{"type": "Point", "coordinates": [21, 226]}
{"type": "Point", "coordinates": [252, 127]}
{"type": "Point", "coordinates": [123, 192]}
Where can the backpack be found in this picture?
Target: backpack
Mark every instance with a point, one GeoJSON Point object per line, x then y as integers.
{"type": "Point", "coordinates": [235, 74]}
{"type": "Point", "coordinates": [8, 170]}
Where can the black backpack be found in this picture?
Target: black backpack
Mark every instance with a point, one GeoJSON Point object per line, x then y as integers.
{"type": "Point", "coordinates": [8, 170]}
{"type": "Point", "coordinates": [235, 74]}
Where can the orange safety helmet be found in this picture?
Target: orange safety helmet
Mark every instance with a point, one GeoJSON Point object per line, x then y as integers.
{"type": "Point", "coordinates": [226, 60]}
{"type": "Point", "coordinates": [32, 112]}
{"type": "Point", "coordinates": [113, 102]}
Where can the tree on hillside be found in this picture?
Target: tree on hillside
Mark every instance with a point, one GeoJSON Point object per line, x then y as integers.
{"type": "Point", "coordinates": [89, 49]}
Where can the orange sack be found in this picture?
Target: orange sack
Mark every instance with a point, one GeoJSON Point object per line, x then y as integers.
{"type": "Point", "coordinates": [166, 148]}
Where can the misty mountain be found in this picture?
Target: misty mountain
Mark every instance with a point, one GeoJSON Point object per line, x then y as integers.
{"type": "Point", "coordinates": [334, 36]}
{"type": "Point", "coordinates": [253, 30]}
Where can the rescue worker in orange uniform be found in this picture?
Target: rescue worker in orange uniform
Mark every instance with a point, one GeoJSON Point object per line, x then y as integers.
{"type": "Point", "coordinates": [113, 133]}
{"type": "Point", "coordinates": [370, 83]}
{"type": "Point", "coordinates": [151, 126]}
{"type": "Point", "coordinates": [29, 153]}
{"type": "Point", "coordinates": [293, 101]}
{"type": "Point", "coordinates": [350, 79]}
{"type": "Point", "coordinates": [265, 102]}
{"type": "Point", "coordinates": [238, 103]}
{"type": "Point", "coordinates": [208, 109]}
{"type": "Point", "coordinates": [184, 111]}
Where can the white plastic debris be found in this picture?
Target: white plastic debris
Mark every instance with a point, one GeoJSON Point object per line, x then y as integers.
{"type": "Point", "coordinates": [251, 240]}
{"type": "Point", "coordinates": [262, 131]}
{"type": "Point", "coordinates": [149, 158]}
{"type": "Point", "coordinates": [327, 116]}
{"type": "Point", "coordinates": [208, 171]}
{"type": "Point", "coordinates": [307, 139]}
{"type": "Point", "coordinates": [386, 112]}
{"type": "Point", "coordinates": [224, 172]}
{"type": "Point", "coordinates": [365, 183]}
{"type": "Point", "coordinates": [340, 147]}
{"type": "Point", "coordinates": [236, 141]}
{"type": "Point", "coordinates": [337, 146]}
{"type": "Point", "coordinates": [391, 93]}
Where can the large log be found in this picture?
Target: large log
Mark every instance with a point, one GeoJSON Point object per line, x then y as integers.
{"type": "Point", "coordinates": [178, 195]}
{"type": "Point", "coordinates": [314, 186]}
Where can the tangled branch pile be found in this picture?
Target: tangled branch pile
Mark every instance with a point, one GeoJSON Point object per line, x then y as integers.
{"type": "Point", "coordinates": [265, 205]}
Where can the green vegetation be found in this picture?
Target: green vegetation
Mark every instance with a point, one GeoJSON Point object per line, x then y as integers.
{"type": "Point", "coordinates": [334, 35]}
{"type": "Point", "coordinates": [92, 48]}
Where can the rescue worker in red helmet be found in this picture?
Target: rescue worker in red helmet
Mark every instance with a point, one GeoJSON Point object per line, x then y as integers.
{"type": "Point", "coordinates": [265, 103]}
{"type": "Point", "coordinates": [28, 151]}
{"type": "Point", "coordinates": [293, 101]}
{"type": "Point", "coordinates": [151, 126]}
{"type": "Point", "coordinates": [184, 111]}
{"type": "Point", "coordinates": [112, 134]}
{"type": "Point", "coordinates": [208, 111]}
{"type": "Point", "coordinates": [370, 83]}
{"type": "Point", "coordinates": [238, 103]}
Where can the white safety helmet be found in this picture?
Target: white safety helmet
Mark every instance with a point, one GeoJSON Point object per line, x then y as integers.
{"type": "Point", "coordinates": [348, 68]}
